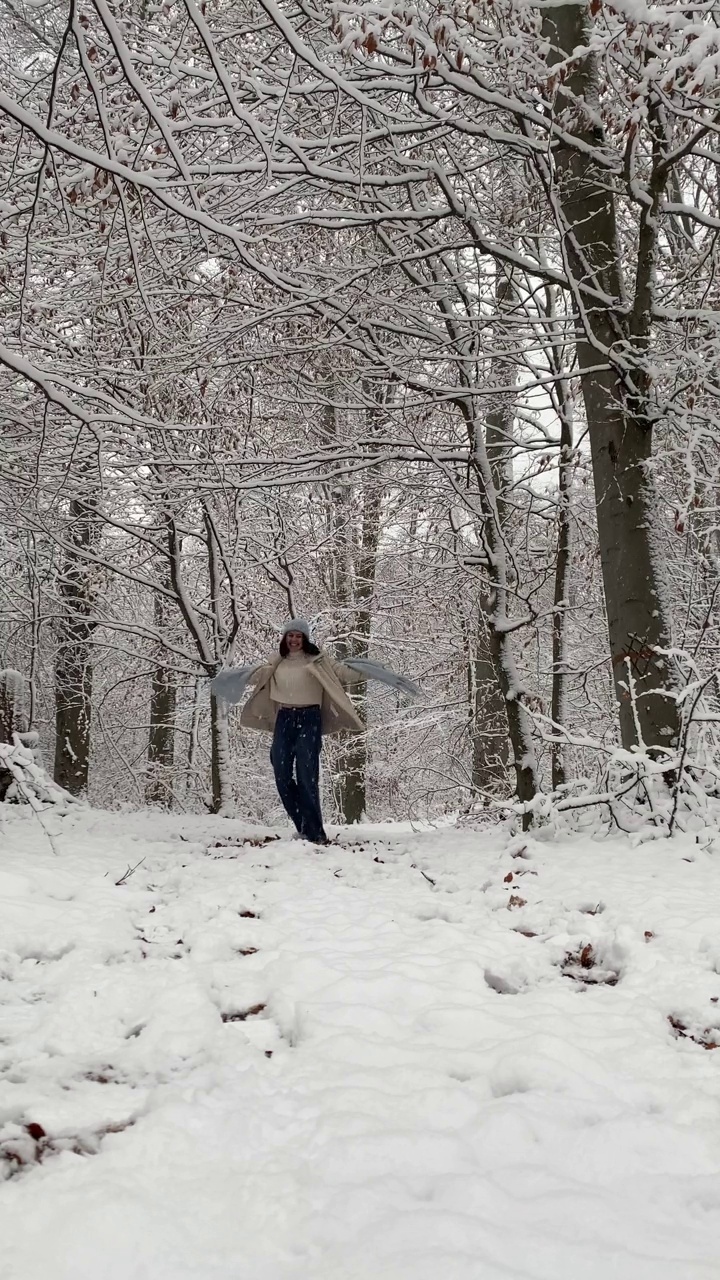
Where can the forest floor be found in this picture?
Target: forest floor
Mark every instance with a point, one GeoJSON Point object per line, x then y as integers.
{"type": "Point", "coordinates": [435, 1055]}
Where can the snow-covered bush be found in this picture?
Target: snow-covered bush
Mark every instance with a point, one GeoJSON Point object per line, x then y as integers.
{"type": "Point", "coordinates": [22, 776]}
{"type": "Point", "coordinates": [12, 704]}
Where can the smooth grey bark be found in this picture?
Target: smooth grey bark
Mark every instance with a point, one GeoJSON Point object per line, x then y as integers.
{"type": "Point", "coordinates": [73, 655]}
{"type": "Point", "coordinates": [612, 344]}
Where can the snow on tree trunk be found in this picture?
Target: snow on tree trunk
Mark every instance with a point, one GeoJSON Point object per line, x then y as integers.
{"type": "Point", "coordinates": [73, 656]}
{"type": "Point", "coordinates": [488, 720]}
{"type": "Point", "coordinates": [611, 353]}
{"type": "Point", "coordinates": [490, 752]}
{"type": "Point", "coordinates": [559, 658]}
{"type": "Point", "coordinates": [354, 760]}
{"type": "Point", "coordinates": [12, 704]}
{"type": "Point", "coordinates": [498, 619]}
{"type": "Point", "coordinates": [354, 519]}
{"type": "Point", "coordinates": [220, 763]}
{"type": "Point", "coordinates": [563, 554]}
{"type": "Point", "coordinates": [209, 633]}
{"type": "Point", "coordinates": [73, 709]}
{"type": "Point", "coordinates": [161, 742]}
{"type": "Point", "coordinates": [354, 774]}
{"type": "Point", "coordinates": [12, 721]}
{"type": "Point", "coordinates": [23, 778]}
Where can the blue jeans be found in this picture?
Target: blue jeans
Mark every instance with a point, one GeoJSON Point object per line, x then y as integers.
{"type": "Point", "coordinates": [295, 757]}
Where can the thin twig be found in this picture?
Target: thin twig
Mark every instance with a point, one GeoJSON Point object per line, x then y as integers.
{"type": "Point", "coordinates": [130, 872]}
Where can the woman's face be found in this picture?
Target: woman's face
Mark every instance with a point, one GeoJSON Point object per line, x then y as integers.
{"type": "Point", "coordinates": [294, 641]}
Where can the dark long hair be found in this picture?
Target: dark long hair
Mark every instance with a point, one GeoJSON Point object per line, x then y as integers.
{"type": "Point", "coordinates": [308, 646]}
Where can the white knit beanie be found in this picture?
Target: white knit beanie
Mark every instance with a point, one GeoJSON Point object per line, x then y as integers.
{"type": "Point", "coordinates": [297, 624]}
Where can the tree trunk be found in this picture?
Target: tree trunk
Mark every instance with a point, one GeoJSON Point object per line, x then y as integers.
{"type": "Point", "coordinates": [161, 742]}
{"type": "Point", "coordinates": [490, 747]}
{"type": "Point", "coordinates": [498, 619]}
{"type": "Point", "coordinates": [490, 461]}
{"type": "Point", "coordinates": [519, 728]}
{"type": "Point", "coordinates": [488, 721]}
{"type": "Point", "coordinates": [352, 772]}
{"type": "Point", "coordinates": [354, 760]}
{"type": "Point", "coordinates": [209, 648]}
{"type": "Point", "coordinates": [31, 559]}
{"type": "Point", "coordinates": [558, 754]}
{"type": "Point", "coordinates": [193, 740]}
{"type": "Point", "coordinates": [220, 766]}
{"type": "Point", "coordinates": [13, 722]}
{"type": "Point", "coordinates": [73, 666]}
{"type": "Point", "coordinates": [354, 531]}
{"type": "Point", "coordinates": [615, 395]}
{"type": "Point", "coordinates": [12, 705]}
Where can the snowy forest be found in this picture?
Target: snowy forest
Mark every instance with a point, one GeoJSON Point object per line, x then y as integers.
{"type": "Point", "coordinates": [369, 351]}
{"type": "Point", "coordinates": [404, 318]}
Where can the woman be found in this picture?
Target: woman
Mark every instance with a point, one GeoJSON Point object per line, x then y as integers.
{"type": "Point", "coordinates": [298, 696]}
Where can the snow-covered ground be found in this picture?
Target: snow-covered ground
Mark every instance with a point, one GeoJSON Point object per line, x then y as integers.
{"type": "Point", "coordinates": [438, 1056]}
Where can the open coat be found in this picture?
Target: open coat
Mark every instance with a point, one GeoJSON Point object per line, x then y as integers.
{"type": "Point", "coordinates": [337, 711]}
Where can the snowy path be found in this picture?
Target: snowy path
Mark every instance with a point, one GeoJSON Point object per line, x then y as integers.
{"type": "Point", "coordinates": [435, 1057]}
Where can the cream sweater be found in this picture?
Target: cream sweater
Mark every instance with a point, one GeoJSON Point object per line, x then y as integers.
{"type": "Point", "coordinates": [293, 684]}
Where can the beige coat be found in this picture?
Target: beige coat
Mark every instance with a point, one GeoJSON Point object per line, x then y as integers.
{"type": "Point", "coordinates": [336, 709]}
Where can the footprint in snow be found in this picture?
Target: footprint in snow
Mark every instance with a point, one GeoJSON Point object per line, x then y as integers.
{"type": "Point", "coordinates": [26, 1145]}
{"type": "Point", "coordinates": [592, 967]}
{"type": "Point", "coordinates": [253, 1012]}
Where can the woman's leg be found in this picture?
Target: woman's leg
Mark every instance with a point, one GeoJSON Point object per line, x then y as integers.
{"type": "Point", "coordinates": [307, 765]}
{"type": "Point", "coordinates": [282, 757]}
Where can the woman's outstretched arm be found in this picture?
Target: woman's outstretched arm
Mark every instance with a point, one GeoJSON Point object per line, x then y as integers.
{"type": "Point", "coordinates": [342, 672]}
{"type": "Point", "coordinates": [231, 683]}
{"type": "Point", "coordinates": [355, 670]}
